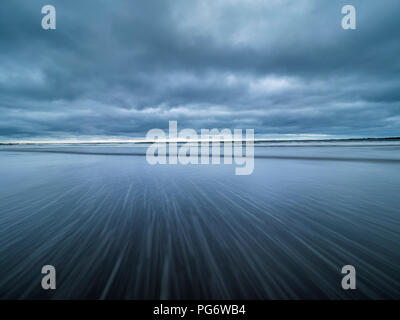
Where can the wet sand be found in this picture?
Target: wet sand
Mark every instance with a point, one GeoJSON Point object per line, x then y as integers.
{"type": "Point", "coordinates": [117, 228]}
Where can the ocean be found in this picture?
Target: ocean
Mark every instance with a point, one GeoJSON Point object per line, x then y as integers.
{"type": "Point", "coordinates": [115, 227]}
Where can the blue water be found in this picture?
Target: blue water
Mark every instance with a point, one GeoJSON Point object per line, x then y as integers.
{"type": "Point", "coordinates": [115, 227]}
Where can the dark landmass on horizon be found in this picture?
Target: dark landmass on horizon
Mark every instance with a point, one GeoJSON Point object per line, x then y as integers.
{"type": "Point", "coordinates": [256, 141]}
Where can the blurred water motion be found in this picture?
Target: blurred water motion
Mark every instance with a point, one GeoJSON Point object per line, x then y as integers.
{"type": "Point", "coordinates": [117, 228]}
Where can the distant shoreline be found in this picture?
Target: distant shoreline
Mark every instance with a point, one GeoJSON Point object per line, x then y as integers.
{"type": "Point", "coordinates": [183, 141]}
{"type": "Point", "coordinates": [332, 140]}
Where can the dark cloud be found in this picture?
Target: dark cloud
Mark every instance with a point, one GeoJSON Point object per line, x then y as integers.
{"type": "Point", "coordinates": [120, 68]}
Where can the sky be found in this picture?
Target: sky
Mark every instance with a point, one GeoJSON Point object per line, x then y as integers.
{"type": "Point", "coordinates": [120, 68]}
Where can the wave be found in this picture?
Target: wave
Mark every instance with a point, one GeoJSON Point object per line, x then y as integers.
{"type": "Point", "coordinates": [141, 154]}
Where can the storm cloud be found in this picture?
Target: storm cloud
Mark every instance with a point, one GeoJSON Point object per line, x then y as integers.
{"type": "Point", "coordinates": [120, 68]}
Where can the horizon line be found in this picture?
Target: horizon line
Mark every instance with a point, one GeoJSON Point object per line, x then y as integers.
{"type": "Point", "coordinates": [144, 141]}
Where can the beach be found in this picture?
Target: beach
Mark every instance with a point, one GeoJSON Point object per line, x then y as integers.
{"type": "Point", "coordinates": [115, 227]}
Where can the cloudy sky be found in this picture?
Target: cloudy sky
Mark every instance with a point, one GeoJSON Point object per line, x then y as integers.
{"type": "Point", "coordinates": [119, 68]}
